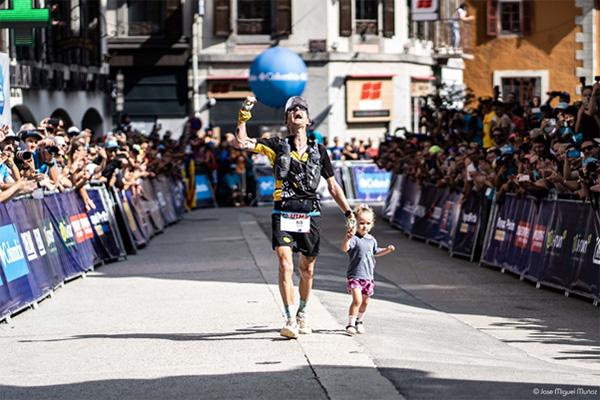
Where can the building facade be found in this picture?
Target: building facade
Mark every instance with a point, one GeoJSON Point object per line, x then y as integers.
{"type": "Point", "coordinates": [149, 47]}
{"type": "Point", "coordinates": [366, 62]}
{"type": "Point", "coordinates": [531, 47]}
{"type": "Point", "coordinates": [64, 73]}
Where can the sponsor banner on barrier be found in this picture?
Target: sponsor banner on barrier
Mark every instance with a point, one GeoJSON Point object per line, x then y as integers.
{"type": "Point", "coordinates": [404, 214]}
{"type": "Point", "coordinates": [469, 222]}
{"type": "Point", "coordinates": [393, 196]}
{"type": "Point", "coordinates": [19, 288]}
{"type": "Point", "coordinates": [511, 236]}
{"type": "Point", "coordinates": [450, 207]}
{"type": "Point", "coordinates": [44, 264]}
{"type": "Point", "coordinates": [105, 238]}
{"type": "Point", "coordinates": [12, 255]}
{"type": "Point", "coordinates": [151, 206]}
{"type": "Point", "coordinates": [139, 214]}
{"type": "Point", "coordinates": [265, 183]}
{"type": "Point", "coordinates": [370, 182]}
{"type": "Point", "coordinates": [204, 191]}
{"type": "Point", "coordinates": [46, 241]}
{"type": "Point", "coordinates": [567, 257]}
{"type": "Point", "coordinates": [429, 212]}
{"type": "Point", "coordinates": [266, 186]}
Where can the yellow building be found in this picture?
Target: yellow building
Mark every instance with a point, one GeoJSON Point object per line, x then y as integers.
{"type": "Point", "coordinates": [530, 47]}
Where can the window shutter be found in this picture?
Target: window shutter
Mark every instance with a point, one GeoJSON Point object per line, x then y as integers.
{"type": "Point", "coordinates": [492, 17]}
{"type": "Point", "coordinates": [283, 17]}
{"type": "Point", "coordinates": [388, 18]}
{"type": "Point", "coordinates": [173, 20]}
{"type": "Point", "coordinates": [222, 18]}
{"type": "Point", "coordinates": [526, 17]}
{"type": "Point", "coordinates": [345, 17]}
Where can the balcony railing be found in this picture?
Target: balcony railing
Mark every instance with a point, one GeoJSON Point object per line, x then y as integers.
{"type": "Point", "coordinates": [450, 38]}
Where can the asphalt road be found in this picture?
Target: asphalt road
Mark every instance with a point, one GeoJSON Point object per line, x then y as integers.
{"type": "Point", "coordinates": [442, 327]}
{"type": "Point", "coordinates": [196, 315]}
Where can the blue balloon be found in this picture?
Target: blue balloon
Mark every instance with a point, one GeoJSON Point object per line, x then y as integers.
{"type": "Point", "coordinates": [276, 75]}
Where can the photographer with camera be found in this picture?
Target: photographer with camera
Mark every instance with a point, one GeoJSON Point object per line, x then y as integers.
{"type": "Point", "coordinates": [590, 122]}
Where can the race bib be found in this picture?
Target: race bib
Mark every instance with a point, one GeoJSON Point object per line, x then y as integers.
{"type": "Point", "coordinates": [299, 223]}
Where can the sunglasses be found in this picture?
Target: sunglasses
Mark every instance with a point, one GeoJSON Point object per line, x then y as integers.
{"type": "Point", "coordinates": [297, 107]}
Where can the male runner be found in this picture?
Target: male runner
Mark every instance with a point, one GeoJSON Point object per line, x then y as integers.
{"type": "Point", "coordinates": [299, 163]}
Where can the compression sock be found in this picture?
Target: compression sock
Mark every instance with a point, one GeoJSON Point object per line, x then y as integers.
{"type": "Point", "coordinates": [361, 316]}
{"type": "Point", "coordinates": [301, 306]}
{"type": "Point", "coordinates": [288, 311]}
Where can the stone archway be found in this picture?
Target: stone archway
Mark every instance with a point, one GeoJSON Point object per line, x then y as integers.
{"type": "Point", "coordinates": [21, 115]}
{"type": "Point", "coordinates": [92, 120]}
{"type": "Point", "coordinates": [64, 116]}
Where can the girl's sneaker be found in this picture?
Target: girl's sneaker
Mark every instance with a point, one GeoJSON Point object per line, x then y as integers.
{"type": "Point", "coordinates": [360, 327]}
{"type": "Point", "coordinates": [351, 329]}
{"type": "Point", "coordinates": [303, 325]}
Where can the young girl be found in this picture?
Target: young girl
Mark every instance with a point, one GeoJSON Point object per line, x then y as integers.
{"type": "Point", "coordinates": [362, 249]}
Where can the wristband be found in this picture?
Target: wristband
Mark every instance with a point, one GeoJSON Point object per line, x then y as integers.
{"type": "Point", "coordinates": [244, 116]}
{"type": "Point", "coordinates": [348, 213]}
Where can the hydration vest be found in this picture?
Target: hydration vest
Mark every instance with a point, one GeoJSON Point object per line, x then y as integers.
{"type": "Point", "coordinates": [309, 181]}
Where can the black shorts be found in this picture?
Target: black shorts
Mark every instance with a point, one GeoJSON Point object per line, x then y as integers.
{"type": "Point", "coordinates": [305, 243]}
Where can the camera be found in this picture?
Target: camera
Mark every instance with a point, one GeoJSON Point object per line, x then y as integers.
{"type": "Point", "coordinates": [23, 155]}
{"type": "Point", "coordinates": [54, 150]}
{"type": "Point", "coordinates": [573, 154]}
{"type": "Point", "coordinates": [591, 167]}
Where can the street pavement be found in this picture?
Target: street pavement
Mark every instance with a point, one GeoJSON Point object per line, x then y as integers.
{"type": "Point", "coordinates": [196, 315]}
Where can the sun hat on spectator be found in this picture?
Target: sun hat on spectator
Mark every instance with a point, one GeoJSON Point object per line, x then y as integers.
{"type": "Point", "coordinates": [34, 133]}
{"type": "Point", "coordinates": [10, 136]}
{"type": "Point", "coordinates": [535, 132]}
{"type": "Point", "coordinates": [59, 141]}
{"type": "Point", "coordinates": [561, 106]}
{"type": "Point", "coordinates": [73, 131]}
{"type": "Point", "coordinates": [435, 149]}
{"type": "Point", "coordinates": [507, 150]}
{"type": "Point", "coordinates": [111, 144]}
{"type": "Point", "coordinates": [589, 160]}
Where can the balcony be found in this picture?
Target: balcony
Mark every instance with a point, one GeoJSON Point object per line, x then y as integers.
{"type": "Point", "coordinates": [441, 36]}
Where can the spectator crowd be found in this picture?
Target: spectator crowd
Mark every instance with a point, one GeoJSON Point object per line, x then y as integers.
{"type": "Point", "coordinates": [505, 146]}
{"type": "Point", "coordinates": [501, 146]}
{"type": "Point", "coordinates": [48, 157]}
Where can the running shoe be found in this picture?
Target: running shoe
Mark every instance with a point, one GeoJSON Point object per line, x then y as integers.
{"type": "Point", "coordinates": [290, 330]}
{"type": "Point", "coordinates": [351, 329]}
{"type": "Point", "coordinates": [303, 325]}
{"type": "Point", "coordinates": [360, 327]}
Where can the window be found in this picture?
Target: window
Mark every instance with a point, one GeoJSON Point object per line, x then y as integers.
{"type": "Point", "coordinates": [366, 16]}
{"type": "Point", "coordinates": [145, 18]}
{"type": "Point", "coordinates": [510, 18]}
{"type": "Point", "coordinates": [524, 88]}
{"type": "Point", "coordinates": [524, 84]}
{"type": "Point", "coordinates": [254, 17]}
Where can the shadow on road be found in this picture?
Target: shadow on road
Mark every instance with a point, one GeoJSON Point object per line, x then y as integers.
{"type": "Point", "coordinates": [290, 384]}
{"type": "Point", "coordinates": [422, 276]}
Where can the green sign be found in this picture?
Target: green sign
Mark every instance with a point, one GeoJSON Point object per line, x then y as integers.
{"type": "Point", "coordinates": [22, 18]}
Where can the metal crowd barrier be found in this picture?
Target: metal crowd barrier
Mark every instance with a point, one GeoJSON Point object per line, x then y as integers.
{"type": "Point", "coordinates": [551, 242]}
{"type": "Point", "coordinates": [362, 181]}
{"type": "Point", "coordinates": [50, 238]}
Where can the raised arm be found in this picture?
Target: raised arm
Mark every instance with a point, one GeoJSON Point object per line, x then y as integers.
{"type": "Point", "coordinates": [241, 135]}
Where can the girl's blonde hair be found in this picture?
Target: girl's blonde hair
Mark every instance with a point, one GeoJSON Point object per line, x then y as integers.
{"type": "Point", "coordinates": [363, 209]}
